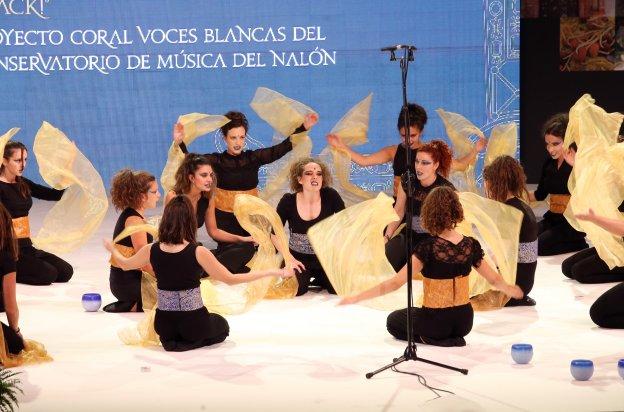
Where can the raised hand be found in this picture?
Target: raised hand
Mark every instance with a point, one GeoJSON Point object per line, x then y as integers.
{"type": "Point", "coordinates": [310, 120]}
{"type": "Point", "coordinates": [336, 142]}
{"type": "Point", "coordinates": [178, 133]}
{"type": "Point", "coordinates": [481, 143]}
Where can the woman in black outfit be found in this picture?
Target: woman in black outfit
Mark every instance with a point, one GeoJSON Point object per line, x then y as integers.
{"type": "Point", "coordinates": [556, 236]}
{"type": "Point", "coordinates": [8, 255]}
{"type": "Point", "coordinates": [34, 266]}
{"type": "Point", "coordinates": [608, 310]}
{"type": "Point", "coordinates": [505, 182]}
{"type": "Point", "coordinates": [132, 193]}
{"type": "Point", "coordinates": [237, 170]}
{"type": "Point", "coordinates": [182, 321]}
{"type": "Point", "coordinates": [312, 201]}
{"type": "Point", "coordinates": [432, 166]}
{"type": "Point", "coordinates": [445, 260]}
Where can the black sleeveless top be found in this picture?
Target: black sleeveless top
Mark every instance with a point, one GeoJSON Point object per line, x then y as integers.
{"type": "Point", "coordinates": [121, 225]}
{"type": "Point", "coordinates": [420, 192]}
{"type": "Point", "coordinates": [399, 161]}
{"type": "Point", "coordinates": [176, 271]}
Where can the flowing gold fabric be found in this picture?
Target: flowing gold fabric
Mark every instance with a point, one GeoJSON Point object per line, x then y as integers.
{"type": "Point", "coordinates": [352, 130]}
{"type": "Point", "coordinates": [224, 199]}
{"type": "Point", "coordinates": [503, 141]}
{"type": "Point", "coordinates": [74, 218]}
{"type": "Point", "coordinates": [21, 227]}
{"type": "Point", "coordinates": [284, 115]}
{"type": "Point", "coordinates": [596, 180]}
{"type": "Point", "coordinates": [33, 352]}
{"type": "Point", "coordinates": [350, 247]}
{"type": "Point", "coordinates": [6, 137]}
{"type": "Point", "coordinates": [195, 125]}
{"type": "Point", "coordinates": [497, 227]}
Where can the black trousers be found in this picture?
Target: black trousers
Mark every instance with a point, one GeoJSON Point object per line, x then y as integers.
{"type": "Point", "coordinates": [525, 278]}
{"type": "Point", "coordinates": [235, 256]}
{"type": "Point", "coordinates": [608, 310]}
{"type": "Point", "coordinates": [186, 330]}
{"type": "Point", "coordinates": [313, 270]}
{"type": "Point", "coordinates": [587, 267]}
{"type": "Point", "coordinates": [37, 267]}
{"type": "Point", "coordinates": [395, 248]}
{"type": "Point", "coordinates": [14, 343]}
{"type": "Point", "coordinates": [126, 285]}
{"type": "Point", "coordinates": [555, 238]}
{"type": "Point", "coordinates": [435, 324]}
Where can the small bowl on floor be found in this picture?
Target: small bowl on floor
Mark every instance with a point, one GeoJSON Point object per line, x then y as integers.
{"type": "Point", "coordinates": [582, 369]}
{"type": "Point", "coordinates": [522, 353]}
{"type": "Point", "coordinates": [91, 302]}
{"type": "Point", "coordinates": [621, 368]}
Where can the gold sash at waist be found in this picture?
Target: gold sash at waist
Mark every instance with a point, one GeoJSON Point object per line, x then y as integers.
{"type": "Point", "coordinates": [126, 251]}
{"type": "Point", "coordinates": [21, 227]}
{"type": "Point", "coordinates": [445, 293]}
{"type": "Point", "coordinates": [558, 203]}
{"type": "Point", "coordinates": [397, 183]}
{"type": "Point", "coordinates": [224, 199]}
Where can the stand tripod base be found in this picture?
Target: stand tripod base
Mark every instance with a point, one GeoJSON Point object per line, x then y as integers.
{"type": "Point", "coordinates": [410, 354]}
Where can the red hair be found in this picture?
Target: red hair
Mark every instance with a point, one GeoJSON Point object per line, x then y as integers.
{"type": "Point", "coordinates": [441, 154]}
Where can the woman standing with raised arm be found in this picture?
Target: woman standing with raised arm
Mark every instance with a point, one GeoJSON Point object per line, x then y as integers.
{"type": "Point", "coordinates": [237, 171]}
{"type": "Point", "coordinates": [182, 321]}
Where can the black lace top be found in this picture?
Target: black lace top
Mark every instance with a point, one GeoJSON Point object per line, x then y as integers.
{"type": "Point", "coordinates": [443, 259]}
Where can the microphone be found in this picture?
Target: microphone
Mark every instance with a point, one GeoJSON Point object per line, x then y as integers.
{"type": "Point", "coordinates": [398, 47]}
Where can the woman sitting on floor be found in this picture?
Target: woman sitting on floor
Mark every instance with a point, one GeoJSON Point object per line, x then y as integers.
{"type": "Point", "coordinates": [445, 260]}
{"type": "Point", "coordinates": [182, 321]}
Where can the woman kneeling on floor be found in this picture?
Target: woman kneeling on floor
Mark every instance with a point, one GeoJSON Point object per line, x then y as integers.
{"type": "Point", "coordinates": [182, 321]}
{"type": "Point", "coordinates": [444, 260]}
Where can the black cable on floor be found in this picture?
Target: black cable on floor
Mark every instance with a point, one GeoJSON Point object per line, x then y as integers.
{"type": "Point", "coordinates": [423, 382]}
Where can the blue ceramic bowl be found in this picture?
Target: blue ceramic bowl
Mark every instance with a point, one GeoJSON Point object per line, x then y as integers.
{"type": "Point", "coordinates": [621, 368]}
{"type": "Point", "coordinates": [582, 369]}
{"type": "Point", "coordinates": [522, 353]}
{"type": "Point", "coordinates": [91, 302]}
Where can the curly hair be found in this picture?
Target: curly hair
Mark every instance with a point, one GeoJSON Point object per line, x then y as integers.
{"type": "Point", "coordinates": [417, 115]}
{"type": "Point", "coordinates": [440, 153]}
{"type": "Point", "coordinates": [505, 175]}
{"type": "Point", "coordinates": [128, 188]}
{"type": "Point", "coordinates": [556, 125]}
{"type": "Point", "coordinates": [178, 222]}
{"type": "Point", "coordinates": [8, 241]}
{"type": "Point", "coordinates": [296, 171]}
{"type": "Point", "coordinates": [441, 210]}
{"type": "Point", "coordinates": [237, 119]}
{"type": "Point", "coordinates": [191, 163]}
{"type": "Point", "coordinates": [9, 148]}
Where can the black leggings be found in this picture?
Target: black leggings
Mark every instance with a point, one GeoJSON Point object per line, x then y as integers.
{"type": "Point", "coordinates": [313, 270]}
{"type": "Point", "coordinates": [14, 343]}
{"type": "Point", "coordinates": [435, 324]}
{"type": "Point", "coordinates": [558, 238]}
{"type": "Point", "coordinates": [235, 256]}
{"type": "Point", "coordinates": [587, 267]}
{"type": "Point", "coordinates": [182, 331]}
{"type": "Point", "coordinates": [37, 267]}
{"type": "Point", "coordinates": [525, 278]}
{"type": "Point", "coordinates": [126, 286]}
{"type": "Point", "coordinates": [608, 310]}
{"type": "Point", "coordinates": [395, 248]}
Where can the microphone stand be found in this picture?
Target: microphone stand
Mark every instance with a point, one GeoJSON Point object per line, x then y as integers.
{"type": "Point", "coordinates": [410, 352]}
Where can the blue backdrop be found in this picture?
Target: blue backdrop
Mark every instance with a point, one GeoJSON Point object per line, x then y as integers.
{"type": "Point", "coordinates": [76, 65]}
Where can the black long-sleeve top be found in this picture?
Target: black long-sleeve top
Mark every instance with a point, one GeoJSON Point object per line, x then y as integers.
{"type": "Point", "coordinates": [19, 206]}
{"type": "Point", "coordinates": [553, 181]}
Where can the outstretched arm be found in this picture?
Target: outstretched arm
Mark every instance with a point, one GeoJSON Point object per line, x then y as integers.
{"type": "Point", "coordinates": [384, 155]}
{"type": "Point", "coordinates": [218, 234]}
{"type": "Point", "coordinates": [612, 225]}
{"type": "Point", "coordinates": [463, 162]}
{"type": "Point", "coordinates": [219, 272]}
{"type": "Point", "coordinates": [495, 279]}
{"type": "Point", "coordinates": [136, 261]}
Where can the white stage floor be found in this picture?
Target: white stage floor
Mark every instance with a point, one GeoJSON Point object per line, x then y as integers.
{"type": "Point", "coordinates": [307, 354]}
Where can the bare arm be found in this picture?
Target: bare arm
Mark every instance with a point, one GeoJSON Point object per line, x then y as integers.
{"type": "Point", "coordinates": [382, 156]}
{"type": "Point", "coordinates": [385, 287]}
{"type": "Point", "coordinates": [495, 279]}
{"type": "Point", "coordinates": [139, 240]}
{"type": "Point", "coordinates": [10, 302]}
{"type": "Point", "coordinates": [219, 272]}
{"type": "Point", "coordinates": [136, 261]}
{"type": "Point", "coordinates": [399, 208]}
{"type": "Point", "coordinates": [612, 225]}
{"type": "Point", "coordinates": [218, 234]}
